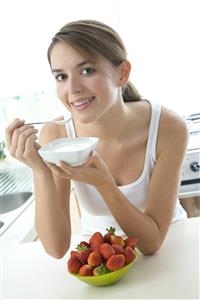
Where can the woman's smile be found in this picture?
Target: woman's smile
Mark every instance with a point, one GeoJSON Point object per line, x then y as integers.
{"type": "Point", "coordinates": [82, 103]}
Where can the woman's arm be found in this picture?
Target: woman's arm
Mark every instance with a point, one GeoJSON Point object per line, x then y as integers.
{"type": "Point", "coordinates": [52, 213]}
{"type": "Point", "coordinates": [51, 193]}
{"type": "Point", "coordinates": [150, 226]}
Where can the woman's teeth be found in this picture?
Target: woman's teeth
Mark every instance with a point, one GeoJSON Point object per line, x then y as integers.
{"type": "Point", "coordinates": [83, 102]}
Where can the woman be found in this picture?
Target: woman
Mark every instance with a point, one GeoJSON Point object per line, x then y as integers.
{"type": "Point", "coordinates": [132, 179]}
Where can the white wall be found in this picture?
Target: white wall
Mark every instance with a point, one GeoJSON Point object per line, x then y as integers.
{"type": "Point", "coordinates": [162, 38]}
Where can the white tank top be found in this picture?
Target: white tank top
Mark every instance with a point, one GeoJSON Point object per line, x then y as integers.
{"type": "Point", "coordinates": [95, 215]}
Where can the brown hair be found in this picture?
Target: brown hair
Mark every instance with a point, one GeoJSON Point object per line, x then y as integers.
{"type": "Point", "coordinates": [92, 38]}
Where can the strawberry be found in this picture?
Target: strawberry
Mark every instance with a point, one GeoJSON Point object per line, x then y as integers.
{"type": "Point", "coordinates": [115, 262]}
{"type": "Point", "coordinates": [84, 243]}
{"type": "Point", "coordinates": [118, 249]}
{"type": "Point", "coordinates": [100, 270]}
{"type": "Point", "coordinates": [96, 238]}
{"type": "Point", "coordinates": [83, 253]}
{"type": "Point", "coordinates": [117, 240]}
{"type": "Point", "coordinates": [131, 241]}
{"type": "Point", "coordinates": [85, 270]}
{"type": "Point", "coordinates": [129, 255]}
{"type": "Point", "coordinates": [73, 264]}
{"type": "Point", "coordinates": [96, 247]}
{"type": "Point", "coordinates": [106, 237]}
{"type": "Point", "coordinates": [73, 253]}
{"type": "Point", "coordinates": [106, 250]}
{"type": "Point", "coordinates": [94, 259]}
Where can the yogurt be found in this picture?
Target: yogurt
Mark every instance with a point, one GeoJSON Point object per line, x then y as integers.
{"type": "Point", "coordinates": [70, 147]}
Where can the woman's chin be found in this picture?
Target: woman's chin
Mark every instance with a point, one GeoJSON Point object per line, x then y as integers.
{"type": "Point", "coordinates": [83, 118]}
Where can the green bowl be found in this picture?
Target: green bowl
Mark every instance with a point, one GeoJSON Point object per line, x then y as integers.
{"type": "Point", "coordinates": [106, 279]}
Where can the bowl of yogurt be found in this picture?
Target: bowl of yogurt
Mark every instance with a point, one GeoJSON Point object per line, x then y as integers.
{"type": "Point", "coordinates": [73, 151]}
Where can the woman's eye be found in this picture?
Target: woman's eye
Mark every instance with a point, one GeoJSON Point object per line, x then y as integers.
{"type": "Point", "coordinates": [61, 77]}
{"type": "Point", "coordinates": [87, 71]}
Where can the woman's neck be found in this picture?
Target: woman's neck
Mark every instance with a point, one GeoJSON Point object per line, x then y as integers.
{"type": "Point", "coordinates": [111, 125]}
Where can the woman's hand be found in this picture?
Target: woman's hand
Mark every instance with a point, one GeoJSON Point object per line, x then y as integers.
{"type": "Point", "coordinates": [21, 143]}
{"type": "Point", "coordinates": [94, 171]}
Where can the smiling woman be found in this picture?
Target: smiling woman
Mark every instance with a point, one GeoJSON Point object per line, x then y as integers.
{"type": "Point", "coordinates": [88, 46]}
{"type": "Point", "coordinates": [131, 180]}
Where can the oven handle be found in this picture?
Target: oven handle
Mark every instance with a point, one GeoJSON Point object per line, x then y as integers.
{"type": "Point", "coordinates": [190, 181]}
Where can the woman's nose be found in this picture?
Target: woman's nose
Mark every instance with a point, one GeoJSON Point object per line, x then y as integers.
{"type": "Point", "coordinates": [74, 86]}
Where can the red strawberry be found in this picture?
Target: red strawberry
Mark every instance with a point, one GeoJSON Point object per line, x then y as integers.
{"type": "Point", "coordinates": [84, 243]}
{"type": "Point", "coordinates": [118, 249]}
{"type": "Point", "coordinates": [94, 259]}
{"type": "Point", "coordinates": [117, 240]}
{"type": "Point", "coordinates": [106, 250]}
{"type": "Point", "coordinates": [86, 270]}
{"type": "Point", "coordinates": [96, 238]}
{"type": "Point", "coordinates": [96, 247]}
{"type": "Point", "coordinates": [100, 270]}
{"type": "Point", "coordinates": [106, 237]}
{"type": "Point", "coordinates": [129, 255]}
{"type": "Point", "coordinates": [83, 253]}
{"type": "Point", "coordinates": [73, 264]}
{"type": "Point", "coordinates": [131, 241]}
{"type": "Point", "coordinates": [115, 262]}
{"type": "Point", "coordinates": [73, 253]}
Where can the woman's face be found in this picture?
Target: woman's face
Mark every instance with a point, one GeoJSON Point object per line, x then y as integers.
{"type": "Point", "coordinates": [87, 88]}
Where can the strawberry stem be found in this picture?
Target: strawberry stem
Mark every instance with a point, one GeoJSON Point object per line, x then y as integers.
{"type": "Point", "coordinates": [102, 269]}
{"type": "Point", "coordinates": [81, 247]}
{"type": "Point", "coordinates": [111, 230]}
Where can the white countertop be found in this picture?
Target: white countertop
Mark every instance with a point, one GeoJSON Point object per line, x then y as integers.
{"type": "Point", "coordinates": [173, 273]}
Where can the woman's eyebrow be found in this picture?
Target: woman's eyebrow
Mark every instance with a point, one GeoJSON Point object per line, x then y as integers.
{"type": "Point", "coordinates": [85, 62]}
{"type": "Point", "coordinates": [57, 70]}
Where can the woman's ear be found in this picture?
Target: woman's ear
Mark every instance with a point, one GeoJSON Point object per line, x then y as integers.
{"type": "Point", "coordinates": [124, 72]}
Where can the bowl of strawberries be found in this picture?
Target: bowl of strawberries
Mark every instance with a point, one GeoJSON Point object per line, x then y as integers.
{"type": "Point", "coordinates": [103, 259]}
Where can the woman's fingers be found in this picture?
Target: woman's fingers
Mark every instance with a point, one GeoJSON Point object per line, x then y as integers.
{"type": "Point", "coordinates": [10, 129]}
{"type": "Point", "coordinates": [91, 172]}
{"type": "Point", "coordinates": [30, 145]}
{"type": "Point", "coordinates": [19, 138]}
{"type": "Point", "coordinates": [94, 159]}
{"type": "Point", "coordinates": [21, 142]}
{"type": "Point", "coordinates": [64, 166]}
{"type": "Point", "coordinates": [36, 145]}
{"type": "Point", "coordinates": [57, 170]}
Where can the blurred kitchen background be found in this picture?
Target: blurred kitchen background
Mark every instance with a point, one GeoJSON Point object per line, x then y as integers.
{"type": "Point", "coordinates": [162, 40]}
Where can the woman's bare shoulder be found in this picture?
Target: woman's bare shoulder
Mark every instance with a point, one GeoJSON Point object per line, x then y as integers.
{"type": "Point", "coordinates": [51, 132]}
{"type": "Point", "coordinates": [172, 129]}
{"type": "Point", "coordinates": [170, 119]}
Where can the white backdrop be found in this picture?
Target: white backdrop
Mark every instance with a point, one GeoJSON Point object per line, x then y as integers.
{"type": "Point", "coordinates": [162, 39]}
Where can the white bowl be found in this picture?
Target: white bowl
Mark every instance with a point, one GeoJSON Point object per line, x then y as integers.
{"type": "Point", "coordinates": [73, 151]}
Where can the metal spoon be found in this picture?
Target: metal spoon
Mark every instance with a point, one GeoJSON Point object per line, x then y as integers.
{"type": "Point", "coordinates": [62, 122]}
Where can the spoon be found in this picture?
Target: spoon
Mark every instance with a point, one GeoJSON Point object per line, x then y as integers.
{"type": "Point", "coordinates": [62, 122]}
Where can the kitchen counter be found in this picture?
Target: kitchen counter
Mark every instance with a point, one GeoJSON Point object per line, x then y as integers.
{"type": "Point", "coordinates": [172, 273]}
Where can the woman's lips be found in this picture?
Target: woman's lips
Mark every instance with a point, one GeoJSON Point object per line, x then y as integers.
{"type": "Point", "coordinates": [82, 104]}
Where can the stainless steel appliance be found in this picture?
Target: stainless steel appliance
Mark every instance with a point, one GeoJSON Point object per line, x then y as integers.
{"type": "Point", "coordinates": [189, 192]}
{"type": "Point", "coordinates": [190, 181]}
